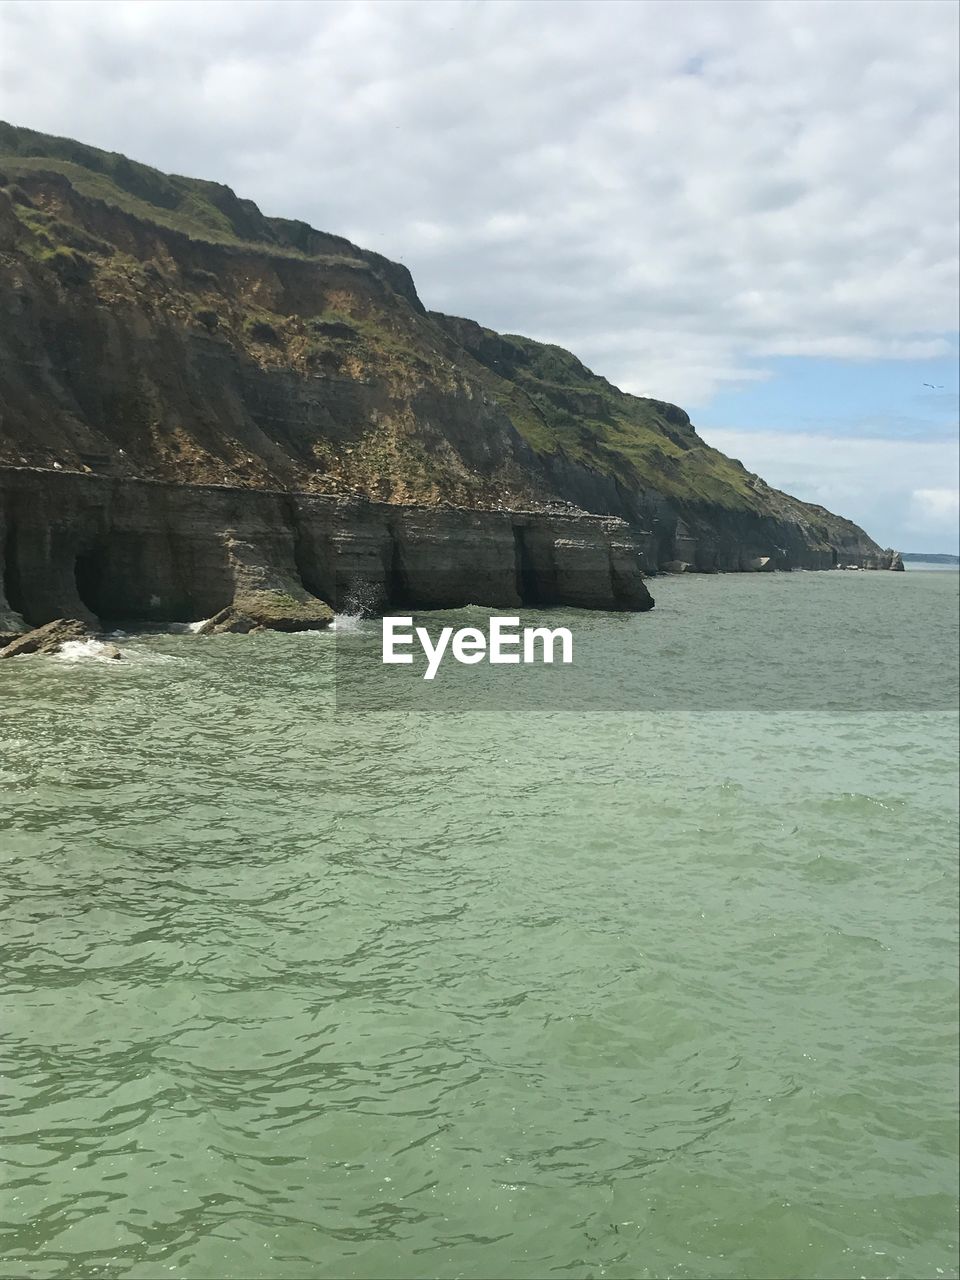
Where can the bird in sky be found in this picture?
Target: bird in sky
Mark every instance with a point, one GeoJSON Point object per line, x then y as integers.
{"type": "Point", "coordinates": [939, 387]}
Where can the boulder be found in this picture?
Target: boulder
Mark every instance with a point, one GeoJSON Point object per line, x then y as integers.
{"type": "Point", "coordinates": [50, 638]}
{"type": "Point", "coordinates": [229, 621]}
{"type": "Point", "coordinates": [267, 592]}
{"type": "Point", "coordinates": [269, 611]}
{"type": "Point", "coordinates": [12, 626]}
{"type": "Point", "coordinates": [9, 632]}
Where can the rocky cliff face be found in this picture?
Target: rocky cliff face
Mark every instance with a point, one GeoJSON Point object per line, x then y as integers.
{"type": "Point", "coordinates": [159, 329]}
{"type": "Point", "coordinates": [132, 551]}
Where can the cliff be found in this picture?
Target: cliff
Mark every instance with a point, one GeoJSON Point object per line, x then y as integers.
{"type": "Point", "coordinates": [94, 548]}
{"type": "Point", "coordinates": [165, 347]}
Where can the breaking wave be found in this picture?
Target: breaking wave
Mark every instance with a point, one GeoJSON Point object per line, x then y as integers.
{"type": "Point", "coordinates": [79, 650]}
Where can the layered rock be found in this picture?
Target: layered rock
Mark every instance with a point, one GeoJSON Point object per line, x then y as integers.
{"type": "Point", "coordinates": [267, 592]}
{"type": "Point", "coordinates": [147, 552]}
{"type": "Point", "coordinates": [316, 431]}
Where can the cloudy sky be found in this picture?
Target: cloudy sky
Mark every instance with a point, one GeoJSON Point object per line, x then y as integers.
{"type": "Point", "coordinates": [747, 208]}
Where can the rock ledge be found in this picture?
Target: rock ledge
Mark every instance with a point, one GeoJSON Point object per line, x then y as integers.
{"type": "Point", "coordinates": [51, 637]}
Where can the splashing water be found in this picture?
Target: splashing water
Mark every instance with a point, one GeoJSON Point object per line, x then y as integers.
{"type": "Point", "coordinates": [186, 628]}
{"type": "Point", "coordinates": [362, 600]}
{"type": "Point", "coordinates": [79, 650]}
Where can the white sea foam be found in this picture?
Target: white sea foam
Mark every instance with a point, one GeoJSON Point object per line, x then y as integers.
{"type": "Point", "coordinates": [78, 650]}
{"type": "Point", "coordinates": [75, 651]}
{"type": "Point", "coordinates": [186, 628]}
{"type": "Point", "coordinates": [347, 621]}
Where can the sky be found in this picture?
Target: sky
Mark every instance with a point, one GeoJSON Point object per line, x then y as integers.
{"type": "Point", "coordinates": [750, 209]}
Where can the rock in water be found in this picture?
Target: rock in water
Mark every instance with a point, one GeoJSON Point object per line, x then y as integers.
{"type": "Point", "coordinates": [12, 626]}
{"type": "Point", "coordinates": [50, 638]}
{"type": "Point", "coordinates": [267, 596]}
{"type": "Point", "coordinates": [270, 611]}
{"type": "Point", "coordinates": [229, 622]}
{"type": "Point", "coordinates": [10, 633]}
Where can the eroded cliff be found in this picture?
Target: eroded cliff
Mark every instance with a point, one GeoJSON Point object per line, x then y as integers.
{"type": "Point", "coordinates": [159, 329]}
{"type": "Point", "coordinates": [126, 550]}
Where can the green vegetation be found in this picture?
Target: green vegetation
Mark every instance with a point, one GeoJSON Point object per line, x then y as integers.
{"type": "Point", "coordinates": [364, 328]}
{"type": "Point", "coordinates": [191, 215]}
{"type": "Point", "coordinates": [556, 402]}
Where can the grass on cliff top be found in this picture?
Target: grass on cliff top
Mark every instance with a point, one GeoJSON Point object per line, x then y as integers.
{"type": "Point", "coordinates": [199, 209]}
{"type": "Point", "coordinates": [181, 210]}
{"type": "Point", "coordinates": [556, 402]}
{"type": "Point", "coordinates": [553, 399]}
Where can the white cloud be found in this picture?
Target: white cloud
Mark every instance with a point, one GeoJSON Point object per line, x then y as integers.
{"type": "Point", "coordinates": [893, 488]}
{"type": "Point", "coordinates": [937, 507]}
{"type": "Point", "coordinates": [675, 191]}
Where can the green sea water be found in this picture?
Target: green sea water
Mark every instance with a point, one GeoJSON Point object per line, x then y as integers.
{"type": "Point", "coordinates": [654, 976]}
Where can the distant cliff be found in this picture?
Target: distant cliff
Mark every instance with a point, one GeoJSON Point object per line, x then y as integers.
{"type": "Point", "coordinates": [157, 328]}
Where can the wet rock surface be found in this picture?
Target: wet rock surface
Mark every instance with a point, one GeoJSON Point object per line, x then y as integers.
{"type": "Point", "coordinates": [106, 552]}
{"type": "Point", "coordinates": [49, 638]}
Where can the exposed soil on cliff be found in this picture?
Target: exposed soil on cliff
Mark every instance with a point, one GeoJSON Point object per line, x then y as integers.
{"type": "Point", "coordinates": [160, 327]}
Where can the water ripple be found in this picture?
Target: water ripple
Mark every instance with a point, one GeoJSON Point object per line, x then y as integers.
{"type": "Point", "coordinates": [290, 993]}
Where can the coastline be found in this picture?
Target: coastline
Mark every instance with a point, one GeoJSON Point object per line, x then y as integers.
{"type": "Point", "coordinates": [95, 548]}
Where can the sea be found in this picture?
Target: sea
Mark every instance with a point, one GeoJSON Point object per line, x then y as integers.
{"type": "Point", "coordinates": [641, 966]}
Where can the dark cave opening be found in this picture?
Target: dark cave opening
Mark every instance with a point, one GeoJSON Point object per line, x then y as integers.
{"type": "Point", "coordinates": [90, 574]}
{"type": "Point", "coordinates": [397, 587]}
{"type": "Point", "coordinates": [527, 581]}
{"type": "Point", "coordinates": [12, 582]}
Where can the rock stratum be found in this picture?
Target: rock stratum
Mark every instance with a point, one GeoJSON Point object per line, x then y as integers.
{"type": "Point", "coordinates": [212, 413]}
